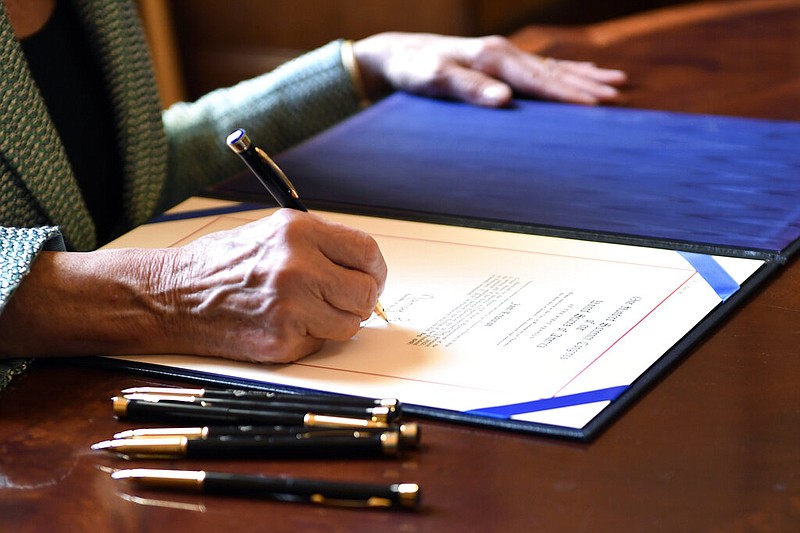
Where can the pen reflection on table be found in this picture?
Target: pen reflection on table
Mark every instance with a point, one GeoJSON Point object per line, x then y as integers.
{"type": "Point", "coordinates": [167, 504]}
{"type": "Point", "coordinates": [273, 179]}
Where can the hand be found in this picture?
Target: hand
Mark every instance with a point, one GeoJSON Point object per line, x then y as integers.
{"type": "Point", "coordinates": [275, 289]}
{"type": "Point", "coordinates": [483, 71]}
{"type": "Point", "coordinates": [270, 291]}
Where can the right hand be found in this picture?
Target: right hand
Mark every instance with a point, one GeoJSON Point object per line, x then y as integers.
{"type": "Point", "coordinates": [270, 291]}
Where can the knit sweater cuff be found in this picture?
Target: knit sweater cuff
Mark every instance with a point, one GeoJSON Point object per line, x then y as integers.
{"type": "Point", "coordinates": [18, 249]}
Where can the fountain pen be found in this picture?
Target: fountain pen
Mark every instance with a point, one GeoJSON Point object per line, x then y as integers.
{"type": "Point", "coordinates": [241, 394]}
{"type": "Point", "coordinates": [353, 443]}
{"type": "Point", "coordinates": [409, 432]}
{"type": "Point", "coordinates": [301, 405]}
{"type": "Point", "coordinates": [399, 495]}
{"type": "Point", "coordinates": [182, 412]}
{"type": "Point", "coordinates": [273, 179]}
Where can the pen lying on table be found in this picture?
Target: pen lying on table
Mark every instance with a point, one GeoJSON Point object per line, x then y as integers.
{"type": "Point", "coordinates": [402, 495]}
{"type": "Point", "coordinates": [256, 395]}
{"type": "Point", "coordinates": [409, 432]}
{"type": "Point", "coordinates": [183, 412]}
{"type": "Point", "coordinates": [341, 443]}
{"type": "Point", "coordinates": [296, 405]}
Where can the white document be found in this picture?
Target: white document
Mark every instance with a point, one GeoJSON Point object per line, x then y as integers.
{"type": "Point", "coordinates": [540, 329]}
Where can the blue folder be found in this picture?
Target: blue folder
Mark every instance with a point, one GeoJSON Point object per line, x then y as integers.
{"type": "Point", "coordinates": [614, 173]}
{"type": "Point", "coordinates": [698, 184]}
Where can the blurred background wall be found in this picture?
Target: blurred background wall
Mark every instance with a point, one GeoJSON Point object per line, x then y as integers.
{"type": "Point", "coordinates": [204, 44]}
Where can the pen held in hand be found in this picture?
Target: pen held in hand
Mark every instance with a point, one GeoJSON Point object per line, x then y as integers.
{"type": "Point", "coordinates": [273, 179]}
{"type": "Point", "coordinates": [401, 495]}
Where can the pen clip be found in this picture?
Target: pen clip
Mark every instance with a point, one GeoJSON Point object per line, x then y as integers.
{"type": "Point", "coordinates": [274, 166]}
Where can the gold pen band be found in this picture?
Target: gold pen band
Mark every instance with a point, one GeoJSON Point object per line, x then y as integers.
{"type": "Point", "coordinates": [327, 421]}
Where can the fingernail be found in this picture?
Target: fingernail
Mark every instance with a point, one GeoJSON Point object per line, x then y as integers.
{"type": "Point", "coordinates": [495, 94]}
{"type": "Point", "coordinates": [609, 92]}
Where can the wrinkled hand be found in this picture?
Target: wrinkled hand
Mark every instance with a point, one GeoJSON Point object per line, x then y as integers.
{"type": "Point", "coordinates": [274, 290]}
{"type": "Point", "coordinates": [484, 71]}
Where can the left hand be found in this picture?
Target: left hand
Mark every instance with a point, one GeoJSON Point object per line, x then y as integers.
{"type": "Point", "coordinates": [484, 71]}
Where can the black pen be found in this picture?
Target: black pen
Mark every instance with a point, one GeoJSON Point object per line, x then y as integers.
{"type": "Point", "coordinates": [403, 495]}
{"type": "Point", "coordinates": [186, 413]}
{"type": "Point", "coordinates": [409, 432]}
{"type": "Point", "coordinates": [323, 399]}
{"type": "Point", "coordinates": [353, 443]}
{"type": "Point", "coordinates": [294, 406]}
{"type": "Point", "coordinates": [273, 179]}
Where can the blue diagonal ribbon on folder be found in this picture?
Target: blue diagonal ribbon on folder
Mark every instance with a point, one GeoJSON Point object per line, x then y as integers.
{"type": "Point", "coordinates": [711, 271]}
{"type": "Point", "coordinates": [505, 411]}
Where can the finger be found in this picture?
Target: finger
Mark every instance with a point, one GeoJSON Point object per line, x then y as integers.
{"type": "Point", "coordinates": [589, 70]}
{"type": "Point", "coordinates": [353, 249]}
{"type": "Point", "coordinates": [334, 324]}
{"type": "Point", "coordinates": [572, 87]}
{"type": "Point", "coordinates": [350, 291]}
{"type": "Point", "coordinates": [300, 330]}
{"type": "Point", "coordinates": [472, 86]}
{"type": "Point", "coordinates": [558, 80]}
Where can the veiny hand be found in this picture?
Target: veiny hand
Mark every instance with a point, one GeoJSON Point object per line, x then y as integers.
{"type": "Point", "coordinates": [272, 290]}
{"type": "Point", "coordinates": [485, 71]}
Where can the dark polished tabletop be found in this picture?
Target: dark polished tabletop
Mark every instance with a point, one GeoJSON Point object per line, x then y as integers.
{"type": "Point", "coordinates": [714, 446]}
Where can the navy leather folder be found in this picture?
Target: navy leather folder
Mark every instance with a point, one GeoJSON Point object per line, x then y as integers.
{"type": "Point", "coordinates": [697, 183]}
{"type": "Point", "coordinates": [717, 182]}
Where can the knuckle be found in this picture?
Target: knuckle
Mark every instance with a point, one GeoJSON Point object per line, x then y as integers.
{"type": "Point", "coordinates": [371, 252]}
{"type": "Point", "coordinates": [492, 44]}
{"type": "Point", "coordinates": [437, 74]}
{"type": "Point", "coordinates": [289, 224]}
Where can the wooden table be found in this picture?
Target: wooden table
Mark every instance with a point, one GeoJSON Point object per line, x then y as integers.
{"type": "Point", "coordinates": [715, 446]}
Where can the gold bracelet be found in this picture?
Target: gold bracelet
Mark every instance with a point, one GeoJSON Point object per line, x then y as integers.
{"type": "Point", "coordinates": [351, 64]}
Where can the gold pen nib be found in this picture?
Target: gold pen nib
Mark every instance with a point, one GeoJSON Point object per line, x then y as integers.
{"type": "Point", "coordinates": [380, 312]}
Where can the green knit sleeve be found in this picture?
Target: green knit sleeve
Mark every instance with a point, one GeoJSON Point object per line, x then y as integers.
{"type": "Point", "coordinates": [18, 249]}
{"type": "Point", "coordinates": [278, 109]}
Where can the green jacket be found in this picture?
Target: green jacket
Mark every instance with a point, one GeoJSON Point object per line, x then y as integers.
{"type": "Point", "coordinates": [166, 156]}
